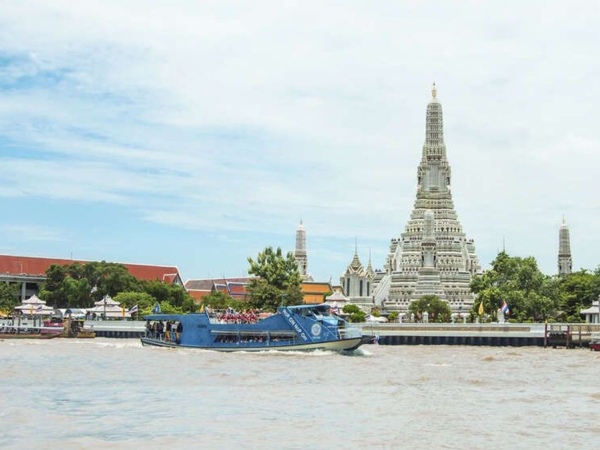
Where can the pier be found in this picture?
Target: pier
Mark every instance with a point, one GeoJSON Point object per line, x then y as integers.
{"type": "Point", "coordinates": [491, 334]}
{"type": "Point", "coordinates": [122, 329]}
{"type": "Point", "coordinates": [571, 335]}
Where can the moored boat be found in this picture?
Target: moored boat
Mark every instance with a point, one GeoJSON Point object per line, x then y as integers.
{"type": "Point", "coordinates": [305, 327]}
{"type": "Point", "coordinates": [595, 342]}
{"type": "Point", "coordinates": [25, 332]}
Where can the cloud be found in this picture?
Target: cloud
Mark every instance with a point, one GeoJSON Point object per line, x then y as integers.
{"type": "Point", "coordinates": [224, 116]}
{"type": "Point", "coordinates": [26, 232]}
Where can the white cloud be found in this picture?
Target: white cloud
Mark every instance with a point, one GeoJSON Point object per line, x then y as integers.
{"type": "Point", "coordinates": [237, 116]}
{"type": "Point", "coordinates": [27, 232]}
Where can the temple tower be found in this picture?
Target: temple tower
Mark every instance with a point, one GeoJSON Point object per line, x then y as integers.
{"type": "Point", "coordinates": [433, 254]}
{"type": "Point", "coordinates": [300, 254]}
{"type": "Point", "coordinates": [565, 261]}
{"type": "Point", "coordinates": [357, 282]}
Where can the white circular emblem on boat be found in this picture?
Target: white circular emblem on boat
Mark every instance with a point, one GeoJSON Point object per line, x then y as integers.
{"type": "Point", "coordinates": [315, 329]}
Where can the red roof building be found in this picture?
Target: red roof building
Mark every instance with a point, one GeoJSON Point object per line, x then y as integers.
{"type": "Point", "coordinates": [30, 271]}
{"type": "Point", "coordinates": [234, 287]}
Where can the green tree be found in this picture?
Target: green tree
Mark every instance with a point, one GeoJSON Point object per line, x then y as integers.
{"type": "Point", "coordinates": [52, 289]}
{"type": "Point", "coordinates": [577, 291]}
{"type": "Point", "coordinates": [356, 315]}
{"type": "Point", "coordinates": [80, 285]}
{"type": "Point", "coordinates": [217, 300]}
{"type": "Point", "coordinates": [9, 296]}
{"type": "Point", "coordinates": [144, 301]}
{"type": "Point", "coordinates": [393, 316]}
{"type": "Point", "coordinates": [530, 294]}
{"type": "Point", "coordinates": [276, 282]}
{"type": "Point", "coordinates": [437, 309]}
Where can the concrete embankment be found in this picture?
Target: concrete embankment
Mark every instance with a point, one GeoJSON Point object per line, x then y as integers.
{"type": "Point", "coordinates": [116, 328]}
{"type": "Point", "coordinates": [517, 335]}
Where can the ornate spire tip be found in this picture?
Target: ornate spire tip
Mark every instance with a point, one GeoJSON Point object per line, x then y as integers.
{"type": "Point", "coordinates": [434, 91]}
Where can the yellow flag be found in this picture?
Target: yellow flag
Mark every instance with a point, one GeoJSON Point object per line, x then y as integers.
{"type": "Point", "coordinates": [481, 308]}
{"type": "Point", "coordinates": [202, 308]}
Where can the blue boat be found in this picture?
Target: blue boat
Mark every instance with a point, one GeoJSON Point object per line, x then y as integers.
{"type": "Point", "coordinates": [305, 327]}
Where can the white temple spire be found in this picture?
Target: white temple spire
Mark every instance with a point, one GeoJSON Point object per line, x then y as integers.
{"type": "Point", "coordinates": [565, 260]}
{"type": "Point", "coordinates": [433, 256]}
{"type": "Point", "coordinates": [300, 254]}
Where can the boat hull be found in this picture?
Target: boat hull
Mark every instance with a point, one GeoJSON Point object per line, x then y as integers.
{"type": "Point", "coordinates": [27, 336]}
{"type": "Point", "coordinates": [337, 345]}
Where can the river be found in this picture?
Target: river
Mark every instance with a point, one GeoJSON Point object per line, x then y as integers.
{"type": "Point", "coordinates": [114, 394]}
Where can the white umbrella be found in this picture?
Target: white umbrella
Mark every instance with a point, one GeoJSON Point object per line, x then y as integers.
{"type": "Point", "coordinates": [34, 300]}
{"type": "Point", "coordinates": [106, 301]}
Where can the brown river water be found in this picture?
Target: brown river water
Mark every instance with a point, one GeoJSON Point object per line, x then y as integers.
{"type": "Point", "coordinates": [114, 394]}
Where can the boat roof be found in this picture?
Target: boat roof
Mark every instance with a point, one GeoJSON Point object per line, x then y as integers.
{"type": "Point", "coordinates": [168, 316]}
{"type": "Point", "coordinates": [322, 306]}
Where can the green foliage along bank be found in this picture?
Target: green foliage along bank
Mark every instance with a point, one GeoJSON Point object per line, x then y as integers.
{"type": "Point", "coordinates": [356, 314]}
{"type": "Point", "coordinates": [80, 285]}
{"type": "Point", "coordinates": [9, 297]}
{"type": "Point", "coordinates": [437, 310]}
{"type": "Point", "coordinates": [531, 295]}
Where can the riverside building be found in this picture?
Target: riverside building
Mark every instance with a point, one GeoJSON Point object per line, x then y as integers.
{"type": "Point", "coordinates": [433, 255]}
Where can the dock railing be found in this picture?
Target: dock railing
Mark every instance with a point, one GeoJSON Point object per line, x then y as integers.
{"type": "Point", "coordinates": [575, 334]}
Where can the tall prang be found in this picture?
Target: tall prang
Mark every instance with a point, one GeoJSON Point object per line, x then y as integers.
{"type": "Point", "coordinates": [565, 261]}
{"type": "Point", "coordinates": [433, 255]}
{"type": "Point", "coordinates": [300, 253]}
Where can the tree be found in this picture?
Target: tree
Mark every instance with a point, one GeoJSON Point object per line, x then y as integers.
{"type": "Point", "coordinates": [51, 290]}
{"type": "Point", "coordinates": [393, 316]}
{"type": "Point", "coordinates": [530, 294]}
{"type": "Point", "coordinates": [277, 280]}
{"type": "Point", "coordinates": [9, 296]}
{"type": "Point", "coordinates": [437, 309]}
{"type": "Point", "coordinates": [355, 313]}
{"type": "Point", "coordinates": [217, 300]}
{"type": "Point", "coordinates": [577, 291]}
{"type": "Point", "coordinates": [80, 285]}
{"type": "Point", "coordinates": [144, 301]}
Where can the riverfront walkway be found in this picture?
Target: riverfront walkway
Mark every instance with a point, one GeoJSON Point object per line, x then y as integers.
{"type": "Point", "coordinates": [492, 334]}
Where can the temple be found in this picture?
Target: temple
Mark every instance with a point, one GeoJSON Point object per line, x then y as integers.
{"type": "Point", "coordinates": [357, 282]}
{"type": "Point", "coordinates": [433, 255]}
{"type": "Point", "coordinates": [565, 261]}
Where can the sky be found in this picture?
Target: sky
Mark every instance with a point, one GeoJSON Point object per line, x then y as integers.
{"type": "Point", "coordinates": [196, 134]}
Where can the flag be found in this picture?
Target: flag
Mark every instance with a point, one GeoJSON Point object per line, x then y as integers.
{"type": "Point", "coordinates": [481, 310]}
{"type": "Point", "coordinates": [156, 309]}
{"type": "Point", "coordinates": [133, 310]}
{"type": "Point", "coordinates": [202, 308]}
{"type": "Point", "coordinates": [505, 308]}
